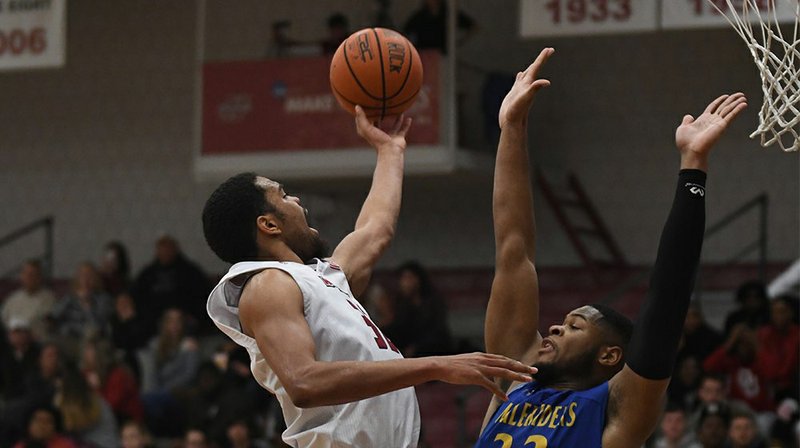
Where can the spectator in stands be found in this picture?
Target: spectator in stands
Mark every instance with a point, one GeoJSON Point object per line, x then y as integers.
{"type": "Point", "coordinates": [134, 435]}
{"type": "Point", "coordinates": [87, 416]}
{"type": "Point", "coordinates": [685, 382]}
{"type": "Point", "coordinates": [419, 327]}
{"type": "Point", "coordinates": [712, 430]}
{"type": "Point", "coordinates": [44, 430]}
{"type": "Point", "coordinates": [172, 281]}
{"type": "Point", "coordinates": [39, 390]}
{"type": "Point", "coordinates": [169, 363]}
{"type": "Point", "coordinates": [711, 390]}
{"type": "Point", "coordinates": [113, 380]}
{"type": "Point", "coordinates": [115, 268]}
{"type": "Point", "coordinates": [32, 302]}
{"type": "Point", "coordinates": [699, 338]}
{"type": "Point", "coordinates": [753, 308]}
{"type": "Point", "coordinates": [674, 433]}
{"type": "Point", "coordinates": [129, 331]}
{"type": "Point", "coordinates": [427, 26]}
{"type": "Point", "coordinates": [19, 360]}
{"type": "Point", "coordinates": [239, 435]}
{"type": "Point", "coordinates": [744, 364]}
{"type": "Point", "coordinates": [338, 30]}
{"type": "Point", "coordinates": [779, 343]}
{"type": "Point", "coordinates": [743, 432]}
{"type": "Point", "coordinates": [83, 312]}
{"type": "Point", "coordinates": [195, 438]}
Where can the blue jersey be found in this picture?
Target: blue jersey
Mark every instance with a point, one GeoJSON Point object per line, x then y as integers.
{"type": "Point", "coordinates": [538, 417]}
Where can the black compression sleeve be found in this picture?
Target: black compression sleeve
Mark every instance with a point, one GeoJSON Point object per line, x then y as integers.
{"type": "Point", "coordinates": [654, 343]}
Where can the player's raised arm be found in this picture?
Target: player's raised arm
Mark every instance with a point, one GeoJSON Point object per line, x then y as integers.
{"type": "Point", "coordinates": [636, 392]}
{"type": "Point", "coordinates": [358, 251]}
{"type": "Point", "coordinates": [271, 307]}
{"type": "Point", "coordinates": [512, 316]}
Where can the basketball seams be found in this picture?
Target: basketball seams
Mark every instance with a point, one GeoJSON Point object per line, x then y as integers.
{"type": "Point", "coordinates": [383, 72]}
{"type": "Point", "coordinates": [408, 72]}
{"type": "Point", "coordinates": [353, 74]}
{"type": "Point", "coordinates": [344, 98]}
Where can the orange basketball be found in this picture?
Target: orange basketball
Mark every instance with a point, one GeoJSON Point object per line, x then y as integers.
{"type": "Point", "coordinates": [377, 69]}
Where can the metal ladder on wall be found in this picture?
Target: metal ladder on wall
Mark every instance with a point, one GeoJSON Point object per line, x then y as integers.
{"type": "Point", "coordinates": [583, 225]}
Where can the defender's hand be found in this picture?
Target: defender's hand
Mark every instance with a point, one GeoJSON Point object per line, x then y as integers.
{"type": "Point", "coordinates": [517, 102]}
{"type": "Point", "coordinates": [378, 138]}
{"type": "Point", "coordinates": [481, 368]}
{"type": "Point", "coordinates": [696, 137]}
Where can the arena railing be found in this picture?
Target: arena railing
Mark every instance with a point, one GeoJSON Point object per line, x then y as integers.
{"type": "Point", "coordinates": [45, 224]}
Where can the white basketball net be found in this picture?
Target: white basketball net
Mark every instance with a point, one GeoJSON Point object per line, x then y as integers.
{"type": "Point", "coordinates": [778, 59]}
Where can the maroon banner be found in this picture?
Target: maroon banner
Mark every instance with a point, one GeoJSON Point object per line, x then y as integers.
{"type": "Point", "coordinates": [287, 105]}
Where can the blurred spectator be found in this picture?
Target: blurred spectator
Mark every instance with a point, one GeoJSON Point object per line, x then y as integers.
{"type": "Point", "coordinates": [281, 42]}
{"type": "Point", "coordinates": [745, 366]}
{"type": "Point", "coordinates": [743, 432]}
{"type": "Point", "coordinates": [83, 312]}
{"type": "Point", "coordinates": [115, 383]}
{"type": "Point", "coordinates": [129, 331]}
{"type": "Point", "coordinates": [712, 429]}
{"type": "Point", "coordinates": [172, 281]}
{"type": "Point", "coordinates": [779, 343]}
{"type": "Point", "coordinates": [711, 390]}
{"type": "Point", "coordinates": [427, 26]}
{"type": "Point", "coordinates": [44, 430]}
{"type": "Point", "coordinates": [685, 381]}
{"type": "Point", "coordinates": [419, 327]}
{"type": "Point", "coordinates": [168, 364]}
{"type": "Point", "coordinates": [195, 438]}
{"type": "Point", "coordinates": [32, 302]}
{"type": "Point", "coordinates": [38, 390]}
{"type": "Point", "coordinates": [86, 414]}
{"type": "Point", "coordinates": [134, 435]}
{"type": "Point", "coordinates": [699, 339]}
{"type": "Point", "coordinates": [115, 268]}
{"type": "Point", "coordinates": [338, 31]}
{"type": "Point", "coordinates": [788, 282]}
{"type": "Point", "coordinates": [19, 360]}
{"type": "Point", "coordinates": [753, 308]}
{"type": "Point", "coordinates": [239, 436]}
{"type": "Point", "coordinates": [674, 433]}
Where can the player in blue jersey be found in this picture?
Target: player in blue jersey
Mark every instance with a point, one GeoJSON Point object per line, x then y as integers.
{"type": "Point", "coordinates": [601, 379]}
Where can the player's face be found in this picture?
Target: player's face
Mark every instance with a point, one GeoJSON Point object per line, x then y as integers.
{"type": "Point", "coordinates": [571, 348]}
{"type": "Point", "coordinates": [296, 233]}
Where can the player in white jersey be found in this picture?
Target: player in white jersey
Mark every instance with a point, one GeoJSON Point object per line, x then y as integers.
{"type": "Point", "coordinates": [340, 381]}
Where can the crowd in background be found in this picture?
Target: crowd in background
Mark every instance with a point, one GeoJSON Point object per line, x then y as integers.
{"type": "Point", "coordinates": [133, 361]}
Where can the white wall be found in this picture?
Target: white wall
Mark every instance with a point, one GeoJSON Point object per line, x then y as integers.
{"type": "Point", "coordinates": [106, 144]}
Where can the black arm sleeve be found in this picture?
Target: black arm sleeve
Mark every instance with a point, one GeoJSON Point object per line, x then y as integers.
{"type": "Point", "coordinates": [657, 332]}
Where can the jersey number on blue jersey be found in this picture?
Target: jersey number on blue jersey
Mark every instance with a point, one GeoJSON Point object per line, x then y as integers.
{"type": "Point", "coordinates": [508, 441]}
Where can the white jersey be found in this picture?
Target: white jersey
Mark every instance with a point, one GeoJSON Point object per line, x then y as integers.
{"type": "Point", "coordinates": [342, 331]}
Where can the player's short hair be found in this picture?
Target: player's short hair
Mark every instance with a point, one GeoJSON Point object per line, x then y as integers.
{"type": "Point", "coordinates": [616, 324]}
{"type": "Point", "coordinates": [229, 218]}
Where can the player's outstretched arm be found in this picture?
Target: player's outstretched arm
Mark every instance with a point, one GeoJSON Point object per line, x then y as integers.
{"type": "Point", "coordinates": [512, 315]}
{"type": "Point", "coordinates": [636, 393]}
{"type": "Point", "coordinates": [359, 251]}
{"type": "Point", "coordinates": [271, 311]}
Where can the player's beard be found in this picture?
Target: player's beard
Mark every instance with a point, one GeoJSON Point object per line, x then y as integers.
{"type": "Point", "coordinates": [555, 373]}
{"type": "Point", "coordinates": [313, 246]}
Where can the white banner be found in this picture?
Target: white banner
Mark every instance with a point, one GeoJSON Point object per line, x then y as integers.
{"type": "Point", "coordinates": [32, 33]}
{"type": "Point", "coordinates": [703, 14]}
{"type": "Point", "coordinates": [574, 17]}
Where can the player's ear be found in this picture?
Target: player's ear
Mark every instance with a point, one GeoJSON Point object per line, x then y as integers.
{"type": "Point", "coordinates": [610, 355]}
{"type": "Point", "coordinates": [268, 224]}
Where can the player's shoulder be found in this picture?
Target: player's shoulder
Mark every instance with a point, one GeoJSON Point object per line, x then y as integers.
{"type": "Point", "coordinates": [269, 285]}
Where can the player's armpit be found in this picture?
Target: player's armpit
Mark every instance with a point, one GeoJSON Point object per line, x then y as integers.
{"type": "Point", "coordinates": [634, 407]}
{"type": "Point", "coordinates": [359, 251]}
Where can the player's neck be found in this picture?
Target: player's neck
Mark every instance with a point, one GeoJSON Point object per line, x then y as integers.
{"type": "Point", "coordinates": [569, 383]}
{"type": "Point", "coordinates": [278, 251]}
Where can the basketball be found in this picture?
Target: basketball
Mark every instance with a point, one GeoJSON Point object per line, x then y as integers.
{"type": "Point", "coordinates": [377, 69]}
